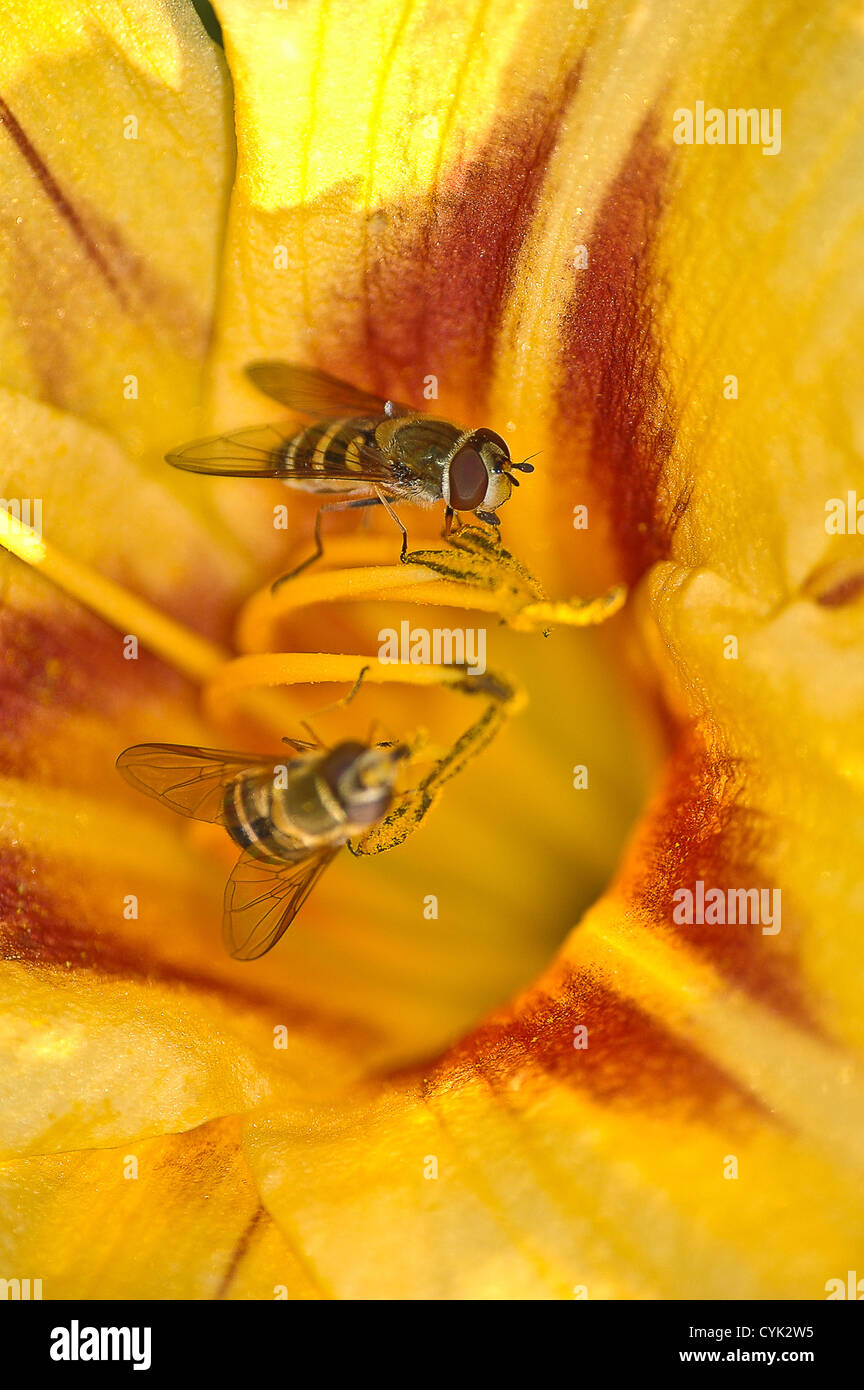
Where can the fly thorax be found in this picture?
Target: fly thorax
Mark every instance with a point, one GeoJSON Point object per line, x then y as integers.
{"type": "Point", "coordinates": [418, 446]}
{"type": "Point", "coordinates": [305, 806]}
{"type": "Point", "coordinates": [361, 780]}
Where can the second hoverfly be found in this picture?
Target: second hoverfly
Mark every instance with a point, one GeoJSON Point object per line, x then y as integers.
{"type": "Point", "coordinates": [363, 449]}
{"type": "Point", "coordinates": [289, 819]}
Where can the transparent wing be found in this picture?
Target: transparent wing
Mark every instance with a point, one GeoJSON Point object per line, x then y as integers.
{"type": "Point", "coordinates": [190, 780]}
{"type": "Point", "coordinates": [259, 452]}
{"type": "Point", "coordinates": [262, 898]}
{"type": "Point", "coordinates": [318, 394]}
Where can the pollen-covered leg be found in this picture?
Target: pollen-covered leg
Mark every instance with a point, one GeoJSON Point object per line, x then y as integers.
{"type": "Point", "coordinates": [411, 808]}
{"type": "Point", "coordinates": [476, 556]}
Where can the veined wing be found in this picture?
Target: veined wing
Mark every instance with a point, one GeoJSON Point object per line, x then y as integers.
{"type": "Point", "coordinates": [263, 452]}
{"type": "Point", "coordinates": [315, 393]}
{"type": "Point", "coordinates": [257, 452]}
{"type": "Point", "coordinates": [262, 898]}
{"type": "Point", "coordinates": [188, 779]}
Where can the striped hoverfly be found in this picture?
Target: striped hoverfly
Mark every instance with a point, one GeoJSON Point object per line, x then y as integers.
{"type": "Point", "coordinates": [289, 818]}
{"type": "Point", "coordinates": [361, 448]}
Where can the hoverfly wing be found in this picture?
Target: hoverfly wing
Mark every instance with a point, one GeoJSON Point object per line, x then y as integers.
{"type": "Point", "coordinates": [262, 898]}
{"type": "Point", "coordinates": [190, 780]}
{"type": "Point", "coordinates": [261, 452]}
{"type": "Point", "coordinates": [318, 394]}
{"type": "Point", "coordinates": [257, 452]}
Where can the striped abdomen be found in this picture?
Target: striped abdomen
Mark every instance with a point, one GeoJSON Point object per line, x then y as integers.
{"type": "Point", "coordinates": [328, 447]}
{"type": "Point", "coordinates": [281, 813]}
{"type": "Point", "coordinates": [405, 455]}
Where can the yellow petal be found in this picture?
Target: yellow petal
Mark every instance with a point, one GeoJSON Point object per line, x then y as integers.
{"type": "Point", "coordinates": [380, 252]}
{"type": "Point", "coordinates": [145, 1213]}
{"type": "Point", "coordinates": [412, 201]}
{"type": "Point", "coordinates": [110, 257]}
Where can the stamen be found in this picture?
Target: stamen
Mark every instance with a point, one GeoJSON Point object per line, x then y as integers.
{"type": "Point", "coordinates": [477, 574]}
{"type": "Point", "coordinates": [190, 654]}
{"type": "Point", "coordinates": [394, 584]}
{"type": "Point", "coordinates": [574, 612]}
{"type": "Point", "coordinates": [205, 662]}
{"type": "Point", "coordinates": [263, 669]}
{"type": "Point", "coordinates": [480, 582]}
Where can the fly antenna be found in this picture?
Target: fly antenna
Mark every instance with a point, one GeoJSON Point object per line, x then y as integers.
{"type": "Point", "coordinates": [525, 466]}
{"type": "Point", "coordinates": [319, 742]}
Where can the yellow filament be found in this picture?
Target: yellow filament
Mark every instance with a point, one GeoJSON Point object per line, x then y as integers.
{"type": "Point", "coordinates": [189, 653]}
{"type": "Point", "coordinates": [206, 662]}
{"type": "Point", "coordinates": [248, 679]}
{"type": "Point", "coordinates": [260, 617]}
{"type": "Point", "coordinates": [263, 669]}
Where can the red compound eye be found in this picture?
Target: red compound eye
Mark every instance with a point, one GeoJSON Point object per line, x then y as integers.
{"type": "Point", "coordinates": [468, 480]}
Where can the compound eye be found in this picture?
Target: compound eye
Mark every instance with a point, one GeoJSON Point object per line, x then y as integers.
{"type": "Point", "coordinates": [468, 480]}
{"type": "Point", "coordinates": [365, 807]}
{"type": "Point", "coordinates": [489, 436]}
{"type": "Point", "coordinates": [338, 761]}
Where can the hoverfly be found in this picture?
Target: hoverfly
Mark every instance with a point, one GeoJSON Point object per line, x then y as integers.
{"type": "Point", "coordinates": [289, 818]}
{"type": "Point", "coordinates": [366, 450]}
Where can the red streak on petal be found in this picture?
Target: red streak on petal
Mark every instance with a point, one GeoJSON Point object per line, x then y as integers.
{"type": "Point", "coordinates": [630, 1060]}
{"type": "Point", "coordinates": [58, 198]}
{"type": "Point", "coordinates": [52, 667]}
{"type": "Point", "coordinates": [38, 929]}
{"type": "Point", "coordinates": [700, 828]}
{"type": "Point", "coordinates": [846, 591]}
{"type": "Point", "coordinates": [258, 1221]}
{"type": "Point", "coordinates": [435, 289]}
{"type": "Point", "coordinates": [44, 284]}
{"type": "Point", "coordinates": [613, 404]}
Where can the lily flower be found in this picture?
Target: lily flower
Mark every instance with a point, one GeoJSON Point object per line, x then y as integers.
{"type": "Point", "coordinates": [528, 1053]}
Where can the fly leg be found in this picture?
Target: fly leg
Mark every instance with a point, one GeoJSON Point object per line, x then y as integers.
{"type": "Point", "coordinates": [391, 513]}
{"type": "Point", "coordinates": [453, 525]}
{"type": "Point", "coordinates": [346, 699]}
{"type": "Point", "coordinates": [387, 742]}
{"type": "Point", "coordinates": [343, 506]}
{"type": "Point", "coordinates": [325, 709]}
{"type": "Point", "coordinates": [475, 555]}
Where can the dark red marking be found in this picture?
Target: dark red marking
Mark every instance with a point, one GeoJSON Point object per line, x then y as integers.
{"type": "Point", "coordinates": [434, 296]}
{"type": "Point", "coordinates": [846, 591]}
{"type": "Point", "coordinates": [50, 668]}
{"type": "Point", "coordinates": [617, 424]}
{"type": "Point", "coordinates": [241, 1248]}
{"type": "Point", "coordinates": [700, 827]}
{"type": "Point", "coordinates": [631, 1060]}
{"type": "Point", "coordinates": [56, 195]}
